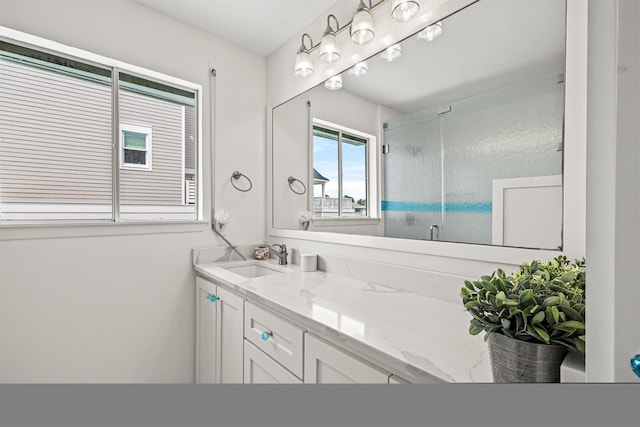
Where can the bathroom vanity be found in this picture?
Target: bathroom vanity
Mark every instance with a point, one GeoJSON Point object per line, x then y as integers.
{"type": "Point", "coordinates": [258, 322]}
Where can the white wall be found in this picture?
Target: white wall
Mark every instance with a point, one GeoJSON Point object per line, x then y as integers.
{"type": "Point", "coordinates": [116, 303]}
{"type": "Point", "coordinates": [613, 181]}
{"type": "Point", "coordinates": [611, 245]}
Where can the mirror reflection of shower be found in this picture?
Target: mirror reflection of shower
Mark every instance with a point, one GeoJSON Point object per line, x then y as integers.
{"type": "Point", "coordinates": [441, 165]}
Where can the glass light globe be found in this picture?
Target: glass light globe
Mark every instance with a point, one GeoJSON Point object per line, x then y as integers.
{"type": "Point", "coordinates": [404, 10]}
{"type": "Point", "coordinates": [334, 83]}
{"type": "Point", "coordinates": [391, 53]}
{"type": "Point", "coordinates": [359, 70]}
{"type": "Point", "coordinates": [304, 64]}
{"type": "Point", "coordinates": [431, 33]}
{"type": "Point", "coordinates": [362, 26]}
{"type": "Point", "coordinates": [329, 50]}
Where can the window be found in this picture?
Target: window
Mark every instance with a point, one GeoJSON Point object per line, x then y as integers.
{"type": "Point", "coordinates": [66, 121]}
{"type": "Point", "coordinates": [136, 147]}
{"type": "Point", "coordinates": [340, 172]}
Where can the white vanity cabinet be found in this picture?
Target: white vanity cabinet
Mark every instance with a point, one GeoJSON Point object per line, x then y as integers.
{"type": "Point", "coordinates": [244, 337]}
{"type": "Point", "coordinates": [326, 364]}
{"type": "Point", "coordinates": [219, 334]}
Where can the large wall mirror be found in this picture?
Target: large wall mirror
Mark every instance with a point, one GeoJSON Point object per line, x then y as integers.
{"type": "Point", "coordinates": [454, 134]}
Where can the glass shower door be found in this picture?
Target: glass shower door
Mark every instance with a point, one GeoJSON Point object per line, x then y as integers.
{"type": "Point", "coordinates": [487, 169]}
{"type": "Point", "coordinates": [412, 191]}
{"type": "Point", "coordinates": [512, 133]}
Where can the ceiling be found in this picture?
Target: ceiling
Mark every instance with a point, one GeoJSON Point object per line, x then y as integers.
{"type": "Point", "coordinates": [473, 55]}
{"type": "Point", "coordinates": [260, 26]}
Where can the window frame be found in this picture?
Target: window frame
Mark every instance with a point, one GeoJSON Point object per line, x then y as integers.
{"type": "Point", "coordinates": [20, 226]}
{"type": "Point", "coordinates": [142, 130]}
{"type": "Point", "coordinates": [371, 167]}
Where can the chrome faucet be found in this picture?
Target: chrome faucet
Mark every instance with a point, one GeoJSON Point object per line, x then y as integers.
{"type": "Point", "coordinates": [281, 253]}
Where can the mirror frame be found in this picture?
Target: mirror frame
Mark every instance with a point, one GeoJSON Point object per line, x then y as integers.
{"type": "Point", "coordinates": [574, 179]}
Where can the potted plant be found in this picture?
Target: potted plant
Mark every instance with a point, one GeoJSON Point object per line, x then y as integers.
{"type": "Point", "coordinates": [531, 318]}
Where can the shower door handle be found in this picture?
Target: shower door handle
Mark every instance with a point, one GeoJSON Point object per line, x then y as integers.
{"type": "Point", "coordinates": [434, 226]}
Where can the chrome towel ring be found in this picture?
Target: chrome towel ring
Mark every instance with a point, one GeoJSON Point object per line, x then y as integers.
{"type": "Point", "coordinates": [237, 175]}
{"type": "Point", "coordinates": [292, 180]}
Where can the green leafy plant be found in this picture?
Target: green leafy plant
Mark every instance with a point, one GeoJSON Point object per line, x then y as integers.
{"type": "Point", "coordinates": [541, 302]}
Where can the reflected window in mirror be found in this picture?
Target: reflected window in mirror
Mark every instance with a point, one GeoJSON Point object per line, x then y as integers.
{"type": "Point", "coordinates": [340, 171]}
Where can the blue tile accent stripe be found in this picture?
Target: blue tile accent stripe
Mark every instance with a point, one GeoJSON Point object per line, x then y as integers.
{"type": "Point", "coordinates": [478, 207]}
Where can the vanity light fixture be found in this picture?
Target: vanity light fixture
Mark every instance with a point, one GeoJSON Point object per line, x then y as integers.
{"type": "Point", "coordinates": [329, 49]}
{"type": "Point", "coordinates": [391, 53]}
{"type": "Point", "coordinates": [359, 70]}
{"type": "Point", "coordinates": [304, 64]}
{"type": "Point", "coordinates": [361, 31]}
{"type": "Point", "coordinates": [362, 25]}
{"type": "Point", "coordinates": [404, 10]}
{"type": "Point", "coordinates": [431, 33]}
{"type": "Point", "coordinates": [334, 83]}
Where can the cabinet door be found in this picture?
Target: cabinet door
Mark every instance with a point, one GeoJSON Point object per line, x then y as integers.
{"type": "Point", "coordinates": [230, 337]}
{"type": "Point", "coordinates": [325, 364]}
{"type": "Point", "coordinates": [261, 369]}
{"type": "Point", "coordinates": [206, 326]}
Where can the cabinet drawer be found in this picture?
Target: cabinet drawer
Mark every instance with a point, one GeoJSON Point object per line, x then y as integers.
{"type": "Point", "coordinates": [261, 369]}
{"type": "Point", "coordinates": [278, 338]}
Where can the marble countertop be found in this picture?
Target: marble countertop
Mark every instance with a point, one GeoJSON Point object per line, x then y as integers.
{"type": "Point", "coordinates": [419, 338]}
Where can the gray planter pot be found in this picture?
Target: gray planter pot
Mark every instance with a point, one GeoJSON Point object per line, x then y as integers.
{"type": "Point", "coordinates": [516, 361]}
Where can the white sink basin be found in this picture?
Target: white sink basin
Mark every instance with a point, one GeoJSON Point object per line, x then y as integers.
{"type": "Point", "coordinates": [251, 269]}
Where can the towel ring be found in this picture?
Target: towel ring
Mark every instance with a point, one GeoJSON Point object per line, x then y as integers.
{"type": "Point", "coordinates": [237, 175]}
{"type": "Point", "coordinates": [292, 180]}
